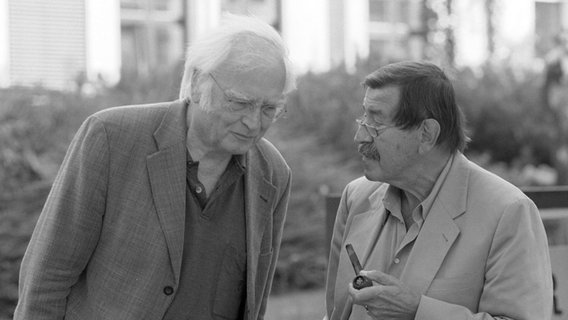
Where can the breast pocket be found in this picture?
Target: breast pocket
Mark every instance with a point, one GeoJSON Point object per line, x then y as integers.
{"type": "Point", "coordinates": [231, 285]}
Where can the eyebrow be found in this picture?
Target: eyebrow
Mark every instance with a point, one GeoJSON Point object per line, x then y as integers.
{"type": "Point", "coordinates": [247, 99]}
{"type": "Point", "coordinates": [237, 95]}
{"type": "Point", "coordinates": [373, 112]}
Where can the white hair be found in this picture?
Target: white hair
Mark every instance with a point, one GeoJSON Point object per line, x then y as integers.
{"type": "Point", "coordinates": [239, 34]}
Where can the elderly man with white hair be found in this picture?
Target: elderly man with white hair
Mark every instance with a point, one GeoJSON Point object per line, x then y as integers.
{"type": "Point", "coordinates": [172, 210]}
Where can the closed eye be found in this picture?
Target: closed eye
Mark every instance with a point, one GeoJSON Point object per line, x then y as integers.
{"type": "Point", "coordinates": [269, 107]}
{"type": "Point", "coordinates": [238, 104]}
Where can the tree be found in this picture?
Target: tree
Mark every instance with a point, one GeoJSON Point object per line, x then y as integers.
{"type": "Point", "coordinates": [438, 31]}
{"type": "Point", "coordinates": [490, 26]}
{"type": "Point", "coordinates": [555, 104]}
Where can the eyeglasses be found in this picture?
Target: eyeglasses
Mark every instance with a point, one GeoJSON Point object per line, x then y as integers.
{"type": "Point", "coordinates": [241, 106]}
{"type": "Point", "coordinates": [372, 130]}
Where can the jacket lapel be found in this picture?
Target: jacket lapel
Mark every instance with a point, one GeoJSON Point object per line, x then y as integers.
{"type": "Point", "coordinates": [362, 233]}
{"type": "Point", "coordinates": [439, 230]}
{"type": "Point", "coordinates": [259, 194]}
{"type": "Point", "coordinates": [366, 226]}
{"type": "Point", "coordinates": [166, 169]}
{"type": "Point", "coordinates": [375, 223]}
{"type": "Point", "coordinates": [430, 248]}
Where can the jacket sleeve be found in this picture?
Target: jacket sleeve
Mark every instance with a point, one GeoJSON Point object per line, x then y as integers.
{"type": "Point", "coordinates": [68, 227]}
{"type": "Point", "coordinates": [518, 278]}
{"type": "Point", "coordinates": [278, 225]}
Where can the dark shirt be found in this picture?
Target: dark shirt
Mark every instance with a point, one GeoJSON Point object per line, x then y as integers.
{"type": "Point", "coordinates": [213, 272]}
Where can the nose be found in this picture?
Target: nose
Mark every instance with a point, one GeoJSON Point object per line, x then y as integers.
{"type": "Point", "coordinates": [361, 135]}
{"type": "Point", "coordinates": [252, 118]}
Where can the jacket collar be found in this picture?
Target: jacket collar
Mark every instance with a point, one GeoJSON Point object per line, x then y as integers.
{"type": "Point", "coordinates": [259, 201]}
{"type": "Point", "coordinates": [167, 172]}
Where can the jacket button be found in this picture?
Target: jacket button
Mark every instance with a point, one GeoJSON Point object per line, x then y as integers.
{"type": "Point", "coordinates": [168, 290]}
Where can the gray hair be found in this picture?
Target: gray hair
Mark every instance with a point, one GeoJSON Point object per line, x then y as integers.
{"type": "Point", "coordinates": [425, 92]}
{"type": "Point", "coordinates": [236, 33]}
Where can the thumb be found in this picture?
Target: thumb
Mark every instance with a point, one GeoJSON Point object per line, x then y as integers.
{"type": "Point", "coordinates": [380, 277]}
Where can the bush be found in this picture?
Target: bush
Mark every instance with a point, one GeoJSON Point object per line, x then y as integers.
{"type": "Point", "coordinates": [505, 114]}
{"type": "Point", "coordinates": [316, 138]}
{"type": "Point", "coordinates": [36, 127]}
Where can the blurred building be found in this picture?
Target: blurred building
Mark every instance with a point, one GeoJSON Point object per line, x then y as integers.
{"type": "Point", "coordinates": [59, 43]}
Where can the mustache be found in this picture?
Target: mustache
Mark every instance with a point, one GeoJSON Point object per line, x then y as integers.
{"type": "Point", "coordinates": [368, 150]}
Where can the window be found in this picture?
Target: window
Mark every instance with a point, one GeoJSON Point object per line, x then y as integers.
{"type": "Point", "coordinates": [131, 4]}
{"type": "Point", "coordinates": [161, 5]}
{"type": "Point", "coordinates": [164, 5]}
{"type": "Point", "coordinates": [548, 25]}
{"type": "Point", "coordinates": [152, 34]}
{"type": "Point", "coordinates": [393, 11]}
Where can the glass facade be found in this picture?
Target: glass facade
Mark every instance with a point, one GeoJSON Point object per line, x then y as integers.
{"type": "Point", "coordinates": [391, 24]}
{"type": "Point", "coordinates": [548, 25]}
{"type": "Point", "coordinates": [153, 35]}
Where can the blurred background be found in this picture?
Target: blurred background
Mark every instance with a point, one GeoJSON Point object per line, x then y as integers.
{"type": "Point", "coordinates": [62, 60]}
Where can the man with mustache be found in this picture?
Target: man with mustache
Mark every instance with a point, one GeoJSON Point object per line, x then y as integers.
{"type": "Point", "coordinates": [172, 210]}
{"type": "Point", "coordinates": [438, 236]}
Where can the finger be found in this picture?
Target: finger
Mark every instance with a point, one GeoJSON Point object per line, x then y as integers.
{"type": "Point", "coordinates": [355, 294]}
{"type": "Point", "coordinates": [380, 277]}
{"type": "Point", "coordinates": [364, 295]}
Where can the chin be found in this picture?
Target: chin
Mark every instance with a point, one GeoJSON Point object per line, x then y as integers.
{"type": "Point", "coordinates": [372, 177]}
{"type": "Point", "coordinates": [238, 146]}
{"type": "Point", "coordinates": [372, 172]}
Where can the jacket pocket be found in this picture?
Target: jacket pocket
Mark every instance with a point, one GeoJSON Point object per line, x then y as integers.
{"type": "Point", "coordinates": [263, 267]}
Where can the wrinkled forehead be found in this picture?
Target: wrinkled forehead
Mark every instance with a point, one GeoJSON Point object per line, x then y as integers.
{"type": "Point", "coordinates": [252, 52]}
{"type": "Point", "coordinates": [382, 101]}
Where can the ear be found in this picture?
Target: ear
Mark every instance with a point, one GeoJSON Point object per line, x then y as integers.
{"type": "Point", "coordinates": [430, 131]}
{"type": "Point", "coordinates": [195, 84]}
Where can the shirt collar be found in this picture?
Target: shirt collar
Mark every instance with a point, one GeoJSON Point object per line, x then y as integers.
{"type": "Point", "coordinates": [240, 160]}
{"type": "Point", "coordinates": [237, 161]}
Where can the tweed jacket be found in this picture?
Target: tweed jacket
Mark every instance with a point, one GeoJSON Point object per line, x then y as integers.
{"type": "Point", "coordinates": [481, 252]}
{"type": "Point", "coordinates": [109, 241]}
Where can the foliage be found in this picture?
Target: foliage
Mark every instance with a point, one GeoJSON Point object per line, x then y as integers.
{"type": "Point", "coordinates": [34, 135]}
{"type": "Point", "coordinates": [36, 125]}
{"type": "Point", "coordinates": [316, 140]}
{"type": "Point", "coordinates": [505, 115]}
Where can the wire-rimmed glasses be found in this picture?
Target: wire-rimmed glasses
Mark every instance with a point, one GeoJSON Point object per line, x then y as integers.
{"type": "Point", "coordinates": [373, 131]}
{"type": "Point", "coordinates": [242, 106]}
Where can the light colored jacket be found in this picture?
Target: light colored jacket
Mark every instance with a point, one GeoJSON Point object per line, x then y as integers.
{"type": "Point", "coordinates": [109, 240]}
{"type": "Point", "coordinates": [481, 253]}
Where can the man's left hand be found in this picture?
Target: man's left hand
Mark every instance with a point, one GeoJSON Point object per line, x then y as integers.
{"type": "Point", "coordinates": [388, 298]}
